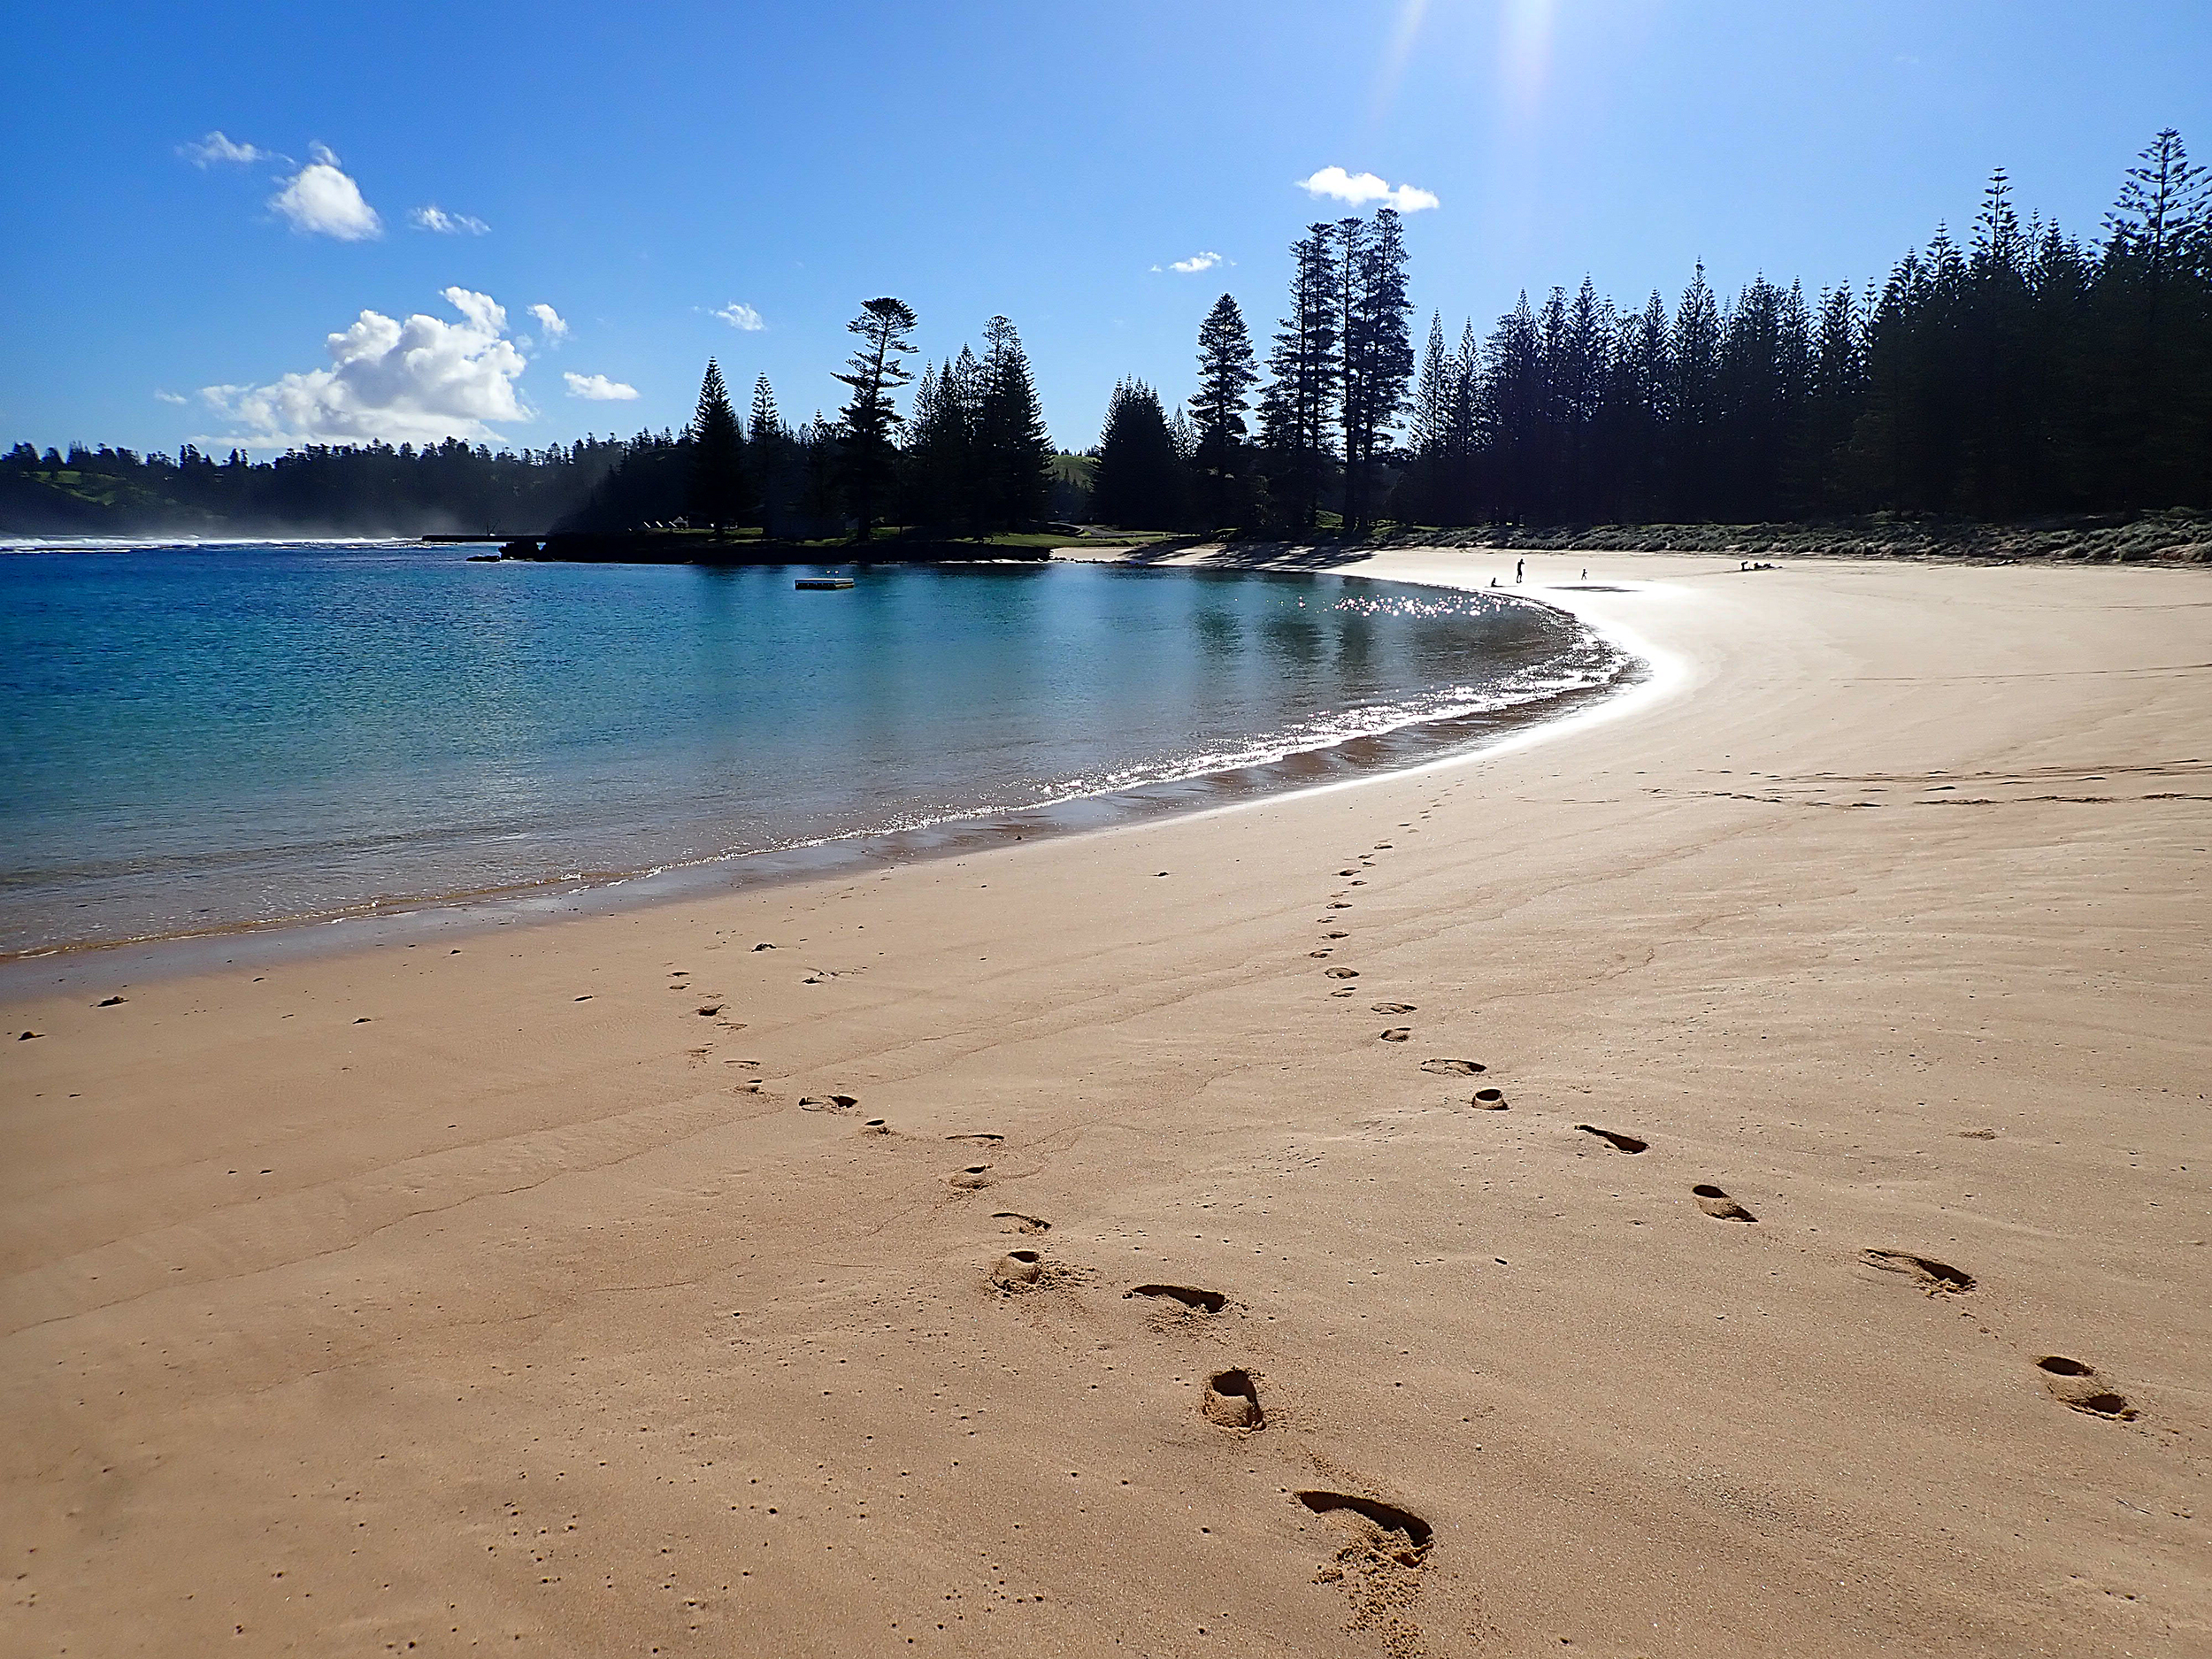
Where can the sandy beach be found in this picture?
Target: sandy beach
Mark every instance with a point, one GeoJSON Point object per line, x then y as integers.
{"type": "Point", "coordinates": [1101, 1244]}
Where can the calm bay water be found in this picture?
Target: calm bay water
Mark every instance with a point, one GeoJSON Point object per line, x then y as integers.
{"type": "Point", "coordinates": [204, 737]}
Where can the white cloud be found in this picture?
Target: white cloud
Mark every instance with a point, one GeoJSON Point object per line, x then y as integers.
{"type": "Point", "coordinates": [742, 317]}
{"type": "Point", "coordinates": [436, 217]}
{"type": "Point", "coordinates": [1360, 188]}
{"type": "Point", "coordinates": [320, 199]}
{"type": "Point", "coordinates": [1196, 263]}
{"type": "Point", "coordinates": [215, 148]}
{"type": "Point", "coordinates": [549, 323]}
{"type": "Point", "coordinates": [167, 397]}
{"type": "Point", "coordinates": [598, 387]}
{"type": "Point", "coordinates": [412, 382]}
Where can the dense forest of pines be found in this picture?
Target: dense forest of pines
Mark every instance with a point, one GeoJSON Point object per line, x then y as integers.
{"type": "Point", "coordinates": [2022, 371]}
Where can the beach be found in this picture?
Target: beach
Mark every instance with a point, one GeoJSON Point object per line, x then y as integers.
{"type": "Point", "coordinates": [642, 1282]}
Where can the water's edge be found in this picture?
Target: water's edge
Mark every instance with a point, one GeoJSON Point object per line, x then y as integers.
{"type": "Point", "coordinates": [117, 963]}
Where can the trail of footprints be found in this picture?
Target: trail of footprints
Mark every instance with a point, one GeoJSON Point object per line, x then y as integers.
{"type": "Point", "coordinates": [1377, 1560]}
{"type": "Point", "coordinates": [2073, 1382]}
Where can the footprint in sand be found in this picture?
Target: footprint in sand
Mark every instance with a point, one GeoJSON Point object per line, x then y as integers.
{"type": "Point", "coordinates": [973, 1179]}
{"type": "Point", "coordinates": [1318, 953]}
{"type": "Point", "coordinates": [117, 1001]}
{"type": "Point", "coordinates": [828, 1102]}
{"type": "Point", "coordinates": [1340, 904]}
{"type": "Point", "coordinates": [708, 1011]}
{"type": "Point", "coordinates": [983, 1136]}
{"type": "Point", "coordinates": [1351, 871]}
{"type": "Point", "coordinates": [1018, 1269]}
{"type": "Point", "coordinates": [1936, 1278]}
{"type": "Point", "coordinates": [1719, 1205]}
{"type": "Point", "coordinates": [1397, 1034]}
{"type": "Point", "coordinates": [875, 1126]}
{"type": "Point", "coordinates": [1190, 1296]}
{"type": "Point", "coordinates": [1400, 1534]}
{"type": "Point", "coordinates": [1618, 1142]}
{"type": "Point", "coordinates": [1394, 1008]}
{"type": "Point", "coordinates": [1347, 991]}
{"type": "Point", "coordinates": [1341, 973]}
{"type": "Point", "coordinates": [1379, 1567]}
{"type": "Point", "coordinates": [2076, 1382]}
{"type": "Point", "coordinates": [1233, 1400]}
{"type": "Point", "coordinates": [1454, 1068]}
{"type": "Point", "coordinates": [1014, 1221]}
{"type": "Point", "coordinates": [1336, 936]}
{"type": "Point", "coordinates": [1488, 1100]}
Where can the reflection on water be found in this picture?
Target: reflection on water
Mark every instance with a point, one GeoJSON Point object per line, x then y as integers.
{"type": "Point", "coordinates": [202, 737]}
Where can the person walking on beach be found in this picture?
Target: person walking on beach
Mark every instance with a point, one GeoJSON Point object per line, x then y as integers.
{"type": "Point", "coordinates": [1518, 567]}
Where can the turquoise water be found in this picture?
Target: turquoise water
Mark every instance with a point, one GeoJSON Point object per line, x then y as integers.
{"type": "Point", "coordinates": [207, 737]}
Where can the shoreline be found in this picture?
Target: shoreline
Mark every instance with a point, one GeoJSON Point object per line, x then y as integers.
{"type": "Point", "coordinates": [117, 963]}
{"type": "Point", "coordinates": [1829, 1274]}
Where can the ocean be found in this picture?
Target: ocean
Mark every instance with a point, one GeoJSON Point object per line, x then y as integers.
{"type": "Point", "coordinates": [203, 738]}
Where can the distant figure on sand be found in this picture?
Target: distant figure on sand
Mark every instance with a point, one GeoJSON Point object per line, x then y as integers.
{"type": "Point", "coordinates": [1518, 567]}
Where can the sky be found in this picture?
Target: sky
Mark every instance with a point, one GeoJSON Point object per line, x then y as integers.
{"type": "Point", "coordinates": [264, 224]}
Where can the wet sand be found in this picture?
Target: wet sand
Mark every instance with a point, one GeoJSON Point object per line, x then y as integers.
{"type": "Point", "coordinates": [549, 1290]}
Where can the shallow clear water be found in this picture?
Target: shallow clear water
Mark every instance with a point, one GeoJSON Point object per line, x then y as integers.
{"type": "Point", "coordinates": [196, 737]}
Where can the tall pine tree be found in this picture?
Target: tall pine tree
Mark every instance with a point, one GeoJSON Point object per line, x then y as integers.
{"type": "Point", "coordinates": [1014, 452]}
{"type": "Point", "coordinates": [1298, 406]}
{"type": "Point", "coordinates": [1138, 481]}
{"type": "Point", "coordinates": [869, 422]}
{"type": "Point", "coordinates": [1226, 378]}
{"type": "Point", "coordinates": [1377, 352]}
{"type": "Point", "coordinates": [720, 494]}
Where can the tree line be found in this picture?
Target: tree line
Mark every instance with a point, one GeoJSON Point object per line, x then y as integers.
{"type": "Point", "coordinates": [350, 489]}
{"type": "Point", "coordinates": [972, 458]}
{"type": "Point", "coordinates": [2026, 371]}
{"type": "Point", "coordinates": [2022, 371]}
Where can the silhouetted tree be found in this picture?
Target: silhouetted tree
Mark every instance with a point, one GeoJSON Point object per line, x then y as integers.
{"type": "Point", "coordinates": [719, 495]}
{"type": "Point", "coordinates": [938, 458]}
{"type": "Point", "coordinates": [1014, 452]}
{"type": "Point", "coordinates": [772, 459]}
{"type": "Point", "coordinates": [1376, 346]}
{"type": "Point", "coordinates": [1298, 403]}
{"type": "Point", "coordinates": [1226, 378]}
{"type": "Point", "coordinates": [2151, 310]}
{"type": "Point", "coordinates": [869, 421]}
{"type": "Point", "coordinates": [1138, 481]}
{"type": "Point", "coordinates": [822, 474]}
{"type": "Point", "coordinates": [767, 422]}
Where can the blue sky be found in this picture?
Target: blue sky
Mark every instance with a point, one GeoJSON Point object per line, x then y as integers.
{"type": "Point", "coordinates": [648, 171]}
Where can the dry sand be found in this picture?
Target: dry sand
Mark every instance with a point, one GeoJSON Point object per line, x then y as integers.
{"type": "Point", "coordinates": [406, 1301]}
